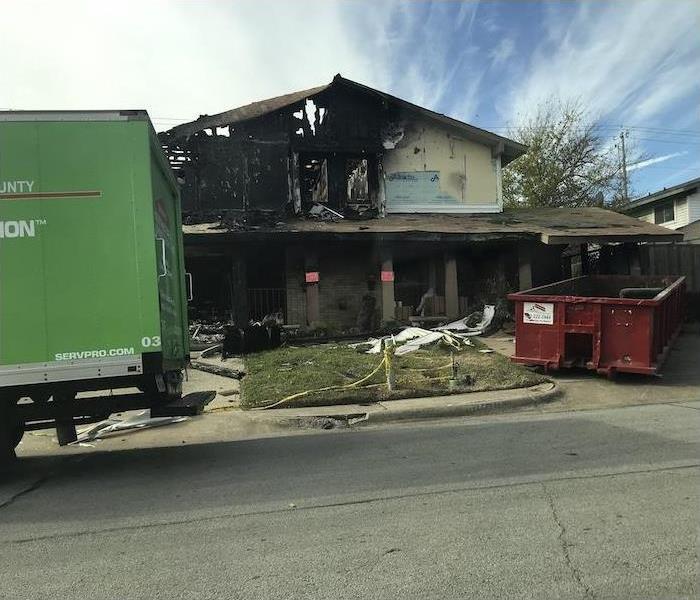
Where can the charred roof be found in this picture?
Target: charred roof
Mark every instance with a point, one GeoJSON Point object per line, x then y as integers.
{"type": "Point", "coordinates": [509, 149]}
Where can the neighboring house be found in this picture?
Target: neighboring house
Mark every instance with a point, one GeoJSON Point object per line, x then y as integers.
{"type": "Point", "coordinates": [691, 232]}
{"type": "Point", "coordinates": [344, 206]}
{"type": "Point", "coordinates": [673, 207]}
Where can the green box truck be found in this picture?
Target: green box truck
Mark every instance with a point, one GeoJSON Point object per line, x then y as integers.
{"type": "Point", "coordinates": [92, 282]}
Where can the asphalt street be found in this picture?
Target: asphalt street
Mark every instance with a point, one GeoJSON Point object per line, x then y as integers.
{"type": "Point", "coordinates": [595, 504]}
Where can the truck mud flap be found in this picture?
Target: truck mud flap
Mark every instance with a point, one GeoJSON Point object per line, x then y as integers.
{"type": "Point", "coordinates": [187, 406]}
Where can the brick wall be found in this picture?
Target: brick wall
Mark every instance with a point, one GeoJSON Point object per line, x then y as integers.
{"type": "Point", "coordinates": [344, 281]}
{"type": "Point", "coordinates": [344, 273]}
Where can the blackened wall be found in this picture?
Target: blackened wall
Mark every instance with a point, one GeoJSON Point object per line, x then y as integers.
{"type": "Point", "coordinates": [247, 166]}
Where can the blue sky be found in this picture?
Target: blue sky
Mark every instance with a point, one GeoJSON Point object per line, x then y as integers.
{"type": "Point", "coordinates": [630, 63]}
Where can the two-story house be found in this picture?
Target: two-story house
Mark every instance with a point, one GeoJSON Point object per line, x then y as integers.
{"type": "Point", "coordinates": [345, 206]}
{"type": "Point", "coordinates": [676, 207]}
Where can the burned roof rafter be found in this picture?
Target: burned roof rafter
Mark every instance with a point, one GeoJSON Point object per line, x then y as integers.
{"type": "Point", "coordinates": [508, 149]}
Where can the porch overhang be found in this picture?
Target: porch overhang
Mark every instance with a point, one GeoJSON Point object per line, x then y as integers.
{"type": "Point", "coordinates": [551, 226]}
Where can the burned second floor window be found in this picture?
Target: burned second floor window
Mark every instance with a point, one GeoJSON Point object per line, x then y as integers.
{"type": "Point", "coordinates": [314, 179]}
{"type": "Point", "coordinates": [356, 176]}
{"type": "Point", "coordinates": [338, 180]}
{"type": "Point", "coordinates": [663, 213]}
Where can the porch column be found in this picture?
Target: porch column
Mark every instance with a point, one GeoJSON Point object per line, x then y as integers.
{"type": "Point", "coordinates": [311, 278]}
{"type": "Point", "coordinates": [524, 266]}
{"type": "Point", "coordinates": [387, 283]}
{"type": "Point", "coordinates": [239, 290]}
{"type": "Point", "coordinates": [451, 287]}
{"type": "Point", "coordinates": [432, 273]}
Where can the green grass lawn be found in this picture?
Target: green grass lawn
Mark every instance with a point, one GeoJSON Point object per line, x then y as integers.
{"type": "Point", "coordinates": [275, 374]}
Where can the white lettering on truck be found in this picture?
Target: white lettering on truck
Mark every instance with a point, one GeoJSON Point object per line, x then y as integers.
{"type": "Point", "coordinates": [83, 354]}
{"type": "Point", "coordinates": [17, 229]}
{"type": "Point", "coordinates": [16, 187]}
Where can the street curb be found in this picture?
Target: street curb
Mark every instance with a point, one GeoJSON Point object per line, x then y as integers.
{"type": "Point", "coordinates": [528, 398]}
{"type": "Point", "coordinates": [447, 406]}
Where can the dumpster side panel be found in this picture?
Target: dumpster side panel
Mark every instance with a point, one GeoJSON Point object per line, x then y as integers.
{"type": "Point", "coordinates": [595, 327]}
{"type": "Point", "coordinates": [626, 338]}
{"type": "Point", "coordinates": [537, 343]}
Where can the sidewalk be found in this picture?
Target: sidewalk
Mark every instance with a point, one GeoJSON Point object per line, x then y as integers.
{"type": "Point", "coordinates": [223, 420]}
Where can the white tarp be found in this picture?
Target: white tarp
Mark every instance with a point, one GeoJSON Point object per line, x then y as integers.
{"type": "Point", "coordinates": [455, 334]}
{"type": "Point", "coordinates": [462, 327]}
{"type": "Point", "coordinates": [430, 338]}
{"type": "Point", "coordinates": [415, 337]}
{"type": "Point", "coordinates": [405, 335]}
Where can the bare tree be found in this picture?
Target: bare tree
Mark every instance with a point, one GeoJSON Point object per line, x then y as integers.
{"type": "Point", "coordinates": [568, 163]}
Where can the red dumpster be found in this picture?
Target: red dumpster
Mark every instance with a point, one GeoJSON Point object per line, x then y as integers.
{"type": "Point", "coordinates": [608, 323]}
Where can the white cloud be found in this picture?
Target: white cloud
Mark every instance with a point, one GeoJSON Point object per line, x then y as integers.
{"type": "Point", "coordinates": [632, 59]}
{"type": "Point", "coordinates": [181, 59]}
{"type": "Point", "coordinates": [670, 84]}
{"type": "Point", "coordinates": [175, 59]}
{"type": "Point", "coordinates": [657, 159]}
{"type": "Point", "coordinates": [502, 51]}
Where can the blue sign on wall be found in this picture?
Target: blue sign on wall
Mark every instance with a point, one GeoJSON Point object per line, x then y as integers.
{"type": "Point", "coordinates": [416, 188]}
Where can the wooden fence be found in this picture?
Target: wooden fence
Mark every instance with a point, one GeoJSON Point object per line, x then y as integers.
{"type": "Point", "coordinates": [672, 259]}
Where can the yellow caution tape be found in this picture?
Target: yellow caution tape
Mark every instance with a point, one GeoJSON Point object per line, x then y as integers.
{"type": "Point", "coordinates": [325, 389]}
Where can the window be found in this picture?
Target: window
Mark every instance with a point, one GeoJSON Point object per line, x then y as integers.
{"type": "Point", "coordinates": [663, 213]}
{"type": "Point", "coordinates": [356, 181]}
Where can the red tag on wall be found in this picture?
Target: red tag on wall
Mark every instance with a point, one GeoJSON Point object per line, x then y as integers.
{"type": "Point", "coordinates": [312, 277]}
{"type": "Point", "coordinates": [387, 276]}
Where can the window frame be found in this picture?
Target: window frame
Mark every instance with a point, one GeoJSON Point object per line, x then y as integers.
{"type": "Point", "coordinates": [663, 209]}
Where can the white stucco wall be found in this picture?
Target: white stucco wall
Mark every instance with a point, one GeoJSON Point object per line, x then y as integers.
{"type": "Point", "coordinates": [433, 170]}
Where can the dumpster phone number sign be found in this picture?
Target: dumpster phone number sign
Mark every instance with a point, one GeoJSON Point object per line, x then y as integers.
{"type": "Point", "coordinates": [541, 313]}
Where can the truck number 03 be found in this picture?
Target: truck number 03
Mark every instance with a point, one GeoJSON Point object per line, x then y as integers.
{"type": "Point", "coordinates": [151, 342]}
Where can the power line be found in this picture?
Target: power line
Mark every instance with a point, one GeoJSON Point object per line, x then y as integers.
{"type": "Point", "coordinates": [652, 167]}
{"type": "Point", "coordinates": [692, 132]}
{"type": "Point", "coordinates": [682, 142]}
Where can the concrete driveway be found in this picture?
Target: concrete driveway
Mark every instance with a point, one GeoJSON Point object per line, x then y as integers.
{"type": "Point", "coordinates": [679, 380]}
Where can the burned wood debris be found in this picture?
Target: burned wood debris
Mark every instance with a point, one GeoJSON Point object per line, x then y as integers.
{"type": "Point", "coordinates": [316, 154]}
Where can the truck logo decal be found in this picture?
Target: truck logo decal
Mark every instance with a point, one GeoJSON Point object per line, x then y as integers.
{"type": "Point", "coordinates": [17, 229]}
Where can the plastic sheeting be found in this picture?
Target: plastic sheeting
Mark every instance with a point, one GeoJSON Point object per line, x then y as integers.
{"type": "Point", "coordinates": [455, 334]}
{"type": "Point", "coordinates": [141, 420]}
{"type": "Point", "coordinates": [461, 325]}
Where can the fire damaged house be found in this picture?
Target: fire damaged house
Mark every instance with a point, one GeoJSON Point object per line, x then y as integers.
{"type": "Point", "coordinates": [344, 207]}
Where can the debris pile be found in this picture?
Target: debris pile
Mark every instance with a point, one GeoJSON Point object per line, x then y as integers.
{"type": "Point", "coordinates": [114, 425]}
{"type": "Point", "coordinates": [207, 332]}
{"type": "Point", "coordinates": [455, 334]}
{"type": "Point", "coordinates": [264, 335]}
